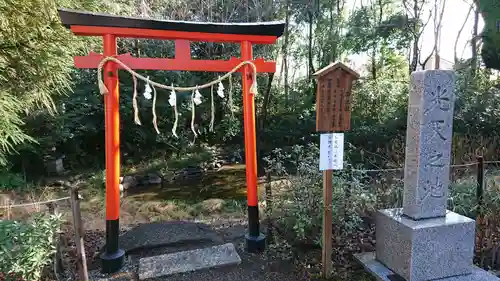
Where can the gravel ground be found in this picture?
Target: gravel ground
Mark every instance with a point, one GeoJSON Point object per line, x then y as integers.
{"type": "Point", "coordinates": [254, 267]}
{"type": "Point", "coordinates": [276, 264]}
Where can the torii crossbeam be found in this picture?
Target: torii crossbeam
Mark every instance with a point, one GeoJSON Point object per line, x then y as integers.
{"type": "Point", "coordinates": [112, 27]}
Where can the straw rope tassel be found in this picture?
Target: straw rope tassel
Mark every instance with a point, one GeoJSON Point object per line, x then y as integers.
{"type": "Point", "coordinates": [176, 114]}
{"type": "Point", "coordinates": [134, 102]}
{"type": "Point", "coordinates": [174, 128]}
{"type": "Point", "coordinates": [193, 114]}
{"type": "Point", "coordinates": [102, 88]}
{"type": "Point", "coordinates": [155, 123]}
{"type": "Point", "coordinates": [253, 87]}
{"type": "Point", "coordinates": [231, 95]}
{"type": "Point", "coordinates": [212, 120]}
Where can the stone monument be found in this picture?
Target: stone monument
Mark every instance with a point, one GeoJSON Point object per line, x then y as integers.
{"type": "Point", "coordinates": [423, 240]}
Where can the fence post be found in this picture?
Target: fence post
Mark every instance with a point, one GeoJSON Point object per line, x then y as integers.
{"type": "Point", "coordinates": [480, 186]}
{"type": "Point", "coordinates": [58, 257]}
{"type": "Point", "coordinates": [81, 260]}
{"type": "Point", "coordinates": [479, 210]}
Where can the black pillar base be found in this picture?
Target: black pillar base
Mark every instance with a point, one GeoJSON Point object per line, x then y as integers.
{"type": "Point", "coordinates": [113, 262]}
{"type": "Point", "coordinates": [113, 258]}
{"type": "Point", "coordinates": [255, 241]}
{"type": "Point", "coordinates": [255, 244]}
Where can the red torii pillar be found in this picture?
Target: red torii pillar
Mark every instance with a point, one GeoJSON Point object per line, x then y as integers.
{"type": "Point", "coordinates": [110, 28]}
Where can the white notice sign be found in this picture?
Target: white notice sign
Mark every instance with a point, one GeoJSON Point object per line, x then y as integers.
{"type": "Point", "coordinates": [331, 151]}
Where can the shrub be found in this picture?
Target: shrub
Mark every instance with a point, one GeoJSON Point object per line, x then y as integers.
{"type": "Point", "coordinates": [98, 180]}
{"type": "Point", "coordinates": [10, 181]}
{"type": "Point", "coordinates": [462, 196]}
{"type": "Point", "coordinates": [301, 206]}
{"type": "Point", "coordinates": [27, 247]}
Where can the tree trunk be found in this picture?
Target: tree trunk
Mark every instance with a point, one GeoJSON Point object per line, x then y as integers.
{"type": "Point", "coordinates": [414, 11]}
{"type": "Point", "coordinates": [415, 56]}
{"type": "Point", "coordinates": [474, 42]}
{"type": "Point", "coordinates": [331, 37]}
{"type": "Point", "coordinates": [416, 38]}
{"type": "Point", "coordinates": [262, 124]}
{"type": "Point", "coordinates": [285, 50]}
{"type": "Point", "coordinates": [310, 57]}
{"type": "Point", "coordinates": [374, 64]}
{"type": "Point", "coordinates": [266, 102]}
{"type": "Point", "coordinates": [438, 19]}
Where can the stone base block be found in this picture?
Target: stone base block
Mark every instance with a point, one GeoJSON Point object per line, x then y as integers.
{"type": "Point", "coordinates": [425, 249]}
{"type": "Point", "coordinates": [382, 273]}
{"type": "Point", "coordinates": [187, 261]}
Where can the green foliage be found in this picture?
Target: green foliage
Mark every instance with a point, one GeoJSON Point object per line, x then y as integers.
{"type": "Point", "coordinates": [462, 197]}
{"type": "Point", "coordinates": [35, 63]}
{"type": "Point", "coordinates": [367, 30]}
{"type": "Point", "coordinates": [490, 10]}
{"type": "Point", "coordinates": [77, 131]}
{"type": "Point", "coordinates": [299, 207]}
{"type": "Point", "coordinates": [478, 98]}
{"type": "Point", "coordinates": [9, 180]}
{"type": "Point", "coordinates": [26, 248]}
{"type": "Point", "coordinates": [98, 180]}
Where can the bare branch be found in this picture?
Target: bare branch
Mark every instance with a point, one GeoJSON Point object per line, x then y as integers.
{"type": "Point", "coordinates": [465, 47]}
{"type": "Point", "coordinates": [437, 30]}
{"type": "Point", "coordinates": [460, 33]}
{"type": "Point", "coordinates": [421, 8]}
{"type": "Point", "coordinates": [426, 60]}
{"type": "Point", "coordinates": [407, 9]}
{"type": "Point", "coordinates": [425, 24]}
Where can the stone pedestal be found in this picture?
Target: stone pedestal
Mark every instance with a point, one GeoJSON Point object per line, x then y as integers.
{"type": "Point", "coordinates": [382, 273]}
{"type": "Point", "coordinates": [426, 249]}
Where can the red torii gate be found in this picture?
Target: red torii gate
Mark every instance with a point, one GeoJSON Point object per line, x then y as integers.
{"type": "Point", "coordinates": [112, 27]}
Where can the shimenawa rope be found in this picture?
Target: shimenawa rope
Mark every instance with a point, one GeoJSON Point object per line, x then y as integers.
{"type": "Point", "coordinates": [103, 90]}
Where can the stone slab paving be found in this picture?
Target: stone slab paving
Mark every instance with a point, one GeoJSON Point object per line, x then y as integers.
{"type": "Point", "coordinates": [188, 261]}
{"type": "Point", "coordinates": [253, 267]}
{"type": "Point", "coordinates": [158, 234]}
{"type": "Point", "coordinates": [382, 273]}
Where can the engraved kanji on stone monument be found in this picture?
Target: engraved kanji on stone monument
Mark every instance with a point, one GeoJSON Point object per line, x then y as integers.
{"type": "Point", "coordinates": [428, 144]}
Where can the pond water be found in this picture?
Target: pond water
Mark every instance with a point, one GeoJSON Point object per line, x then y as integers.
{"type": "Point", "coordinates": [229, 182]}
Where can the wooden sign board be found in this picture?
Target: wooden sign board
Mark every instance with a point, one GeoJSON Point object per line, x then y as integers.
{"type": "Point", "coordinates": [333, 97]}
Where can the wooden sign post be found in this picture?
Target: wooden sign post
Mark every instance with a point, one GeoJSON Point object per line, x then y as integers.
{"type": "Point", "coordinates": [333, 114]}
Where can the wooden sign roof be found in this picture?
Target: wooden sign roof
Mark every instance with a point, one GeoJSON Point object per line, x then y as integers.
{"type": "Point", "coordinates": [333, 97]}
{"type": "Point", "coordinates": [333, 66]}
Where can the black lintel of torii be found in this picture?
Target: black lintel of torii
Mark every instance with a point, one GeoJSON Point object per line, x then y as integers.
{"type": "Point", "coordinates": [71, 17]}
